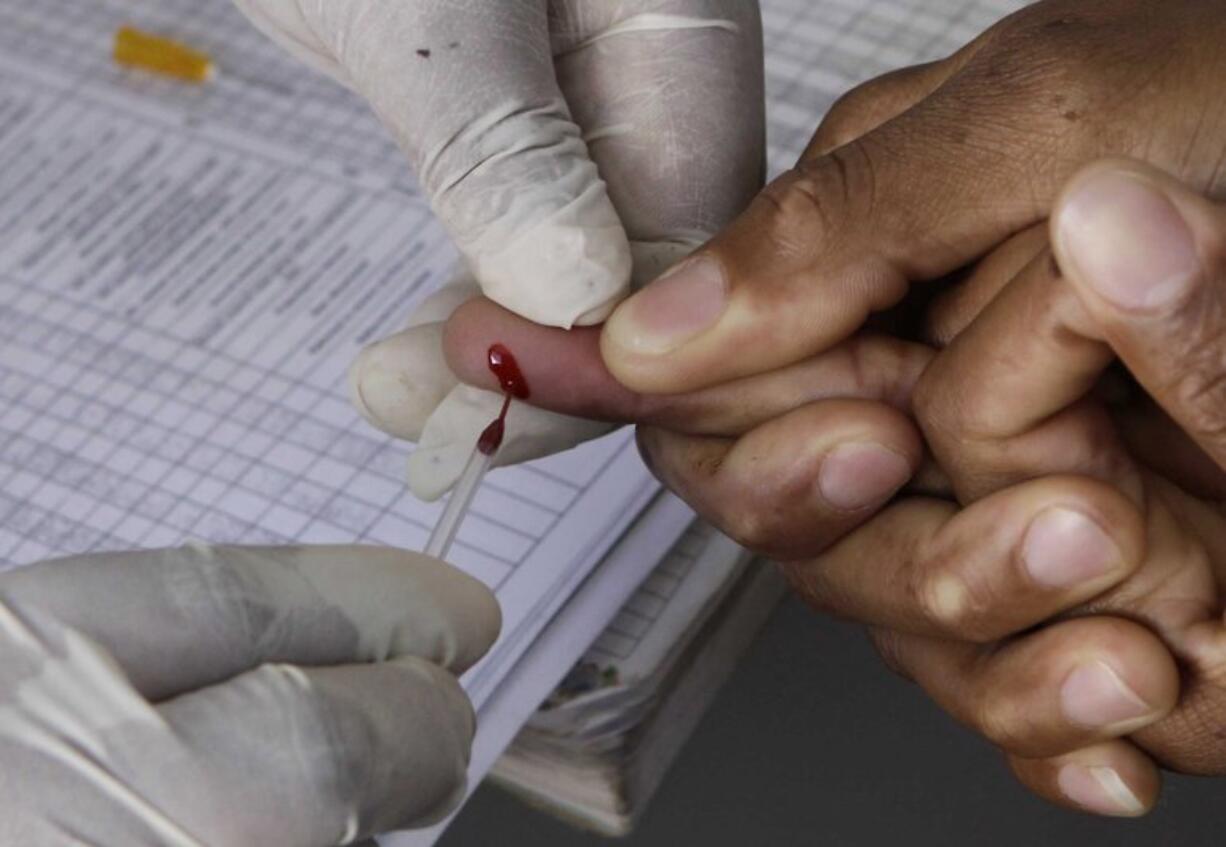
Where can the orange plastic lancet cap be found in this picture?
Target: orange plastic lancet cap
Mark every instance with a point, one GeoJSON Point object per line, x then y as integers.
{"type": "Point", "coordinates": [137, 49]}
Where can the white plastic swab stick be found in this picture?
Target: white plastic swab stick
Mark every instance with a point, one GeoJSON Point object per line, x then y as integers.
{"type": "Point", "coordinates": [457, 506]}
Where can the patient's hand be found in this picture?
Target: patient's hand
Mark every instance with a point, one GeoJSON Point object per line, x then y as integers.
{"type": "Point", "coordinates": [1071, 609]}
{"type": "Point", "coordinates": [910, 178]}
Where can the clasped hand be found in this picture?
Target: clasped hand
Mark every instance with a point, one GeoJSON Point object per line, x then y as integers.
{"type": "Point", "coordinates": [943, 300]}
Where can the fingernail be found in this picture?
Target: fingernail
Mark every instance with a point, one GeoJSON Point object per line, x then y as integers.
{"type": "Point", "coordinates": [1063, 548]}
{"type": "Point", "coordinates": [390, 399]}
{"type": "Point", "coordinates": [1099, 789]}
{"type": "Point", "coordinates": [1128, 241]}
{"type": "Point", "coordinates": [855, 476]}
{"type": "Point", "coordinates": [1094, 696]}
{"type": "Point", "coordinates": [683, 303]}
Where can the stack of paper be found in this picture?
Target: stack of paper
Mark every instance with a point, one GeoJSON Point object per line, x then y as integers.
{"type": "Point", "coordinates": [600, 745]}
{"type": "Point", "coordinates": [185, 273]}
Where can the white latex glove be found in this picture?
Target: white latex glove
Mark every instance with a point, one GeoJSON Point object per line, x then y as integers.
{"type": "Point", "coordinates": [565, 144]}
{"type": "Point", "coordinates": [234, 696]}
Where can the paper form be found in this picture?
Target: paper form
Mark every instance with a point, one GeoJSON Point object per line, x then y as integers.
{"type": "Point", "coordinates": [649, 626]}
{"type": "Point", "coordinates": [186, 273]}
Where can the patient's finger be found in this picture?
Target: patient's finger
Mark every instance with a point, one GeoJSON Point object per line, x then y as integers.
{"type": "Point", "coordinates": [1112, 778]}
{"type": "Point", "coordinates": [953, 310]}
{"type": "Point", "coordinates": [567, 375]}
{"type": "Point", "coordinates": [996, 568]}
{"type": "Point", "coordinates": [1008, 400]}
{"type": "Point", "coordinates": [1061, 688]}
{"type": "Point", "coordinates": [795, 484]}
{"type": "Point", "coordinates": [1147, 255]}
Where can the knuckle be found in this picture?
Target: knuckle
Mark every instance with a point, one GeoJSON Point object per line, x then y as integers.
{"type": "Point", "coordinates": [943, 602]}
{"type": "Point", "coordinates": [952, 605]}
{"type": "Point", "coordinates": [938, 412]}
{"type": "Point", "coordinates": [1198, 386]}
{"type": "Point", "coordinates": [818, 195]}
{"type": "Point", "coordinates": [797, 215]}
{"type": "Point", "coordinates": [1203, 400]}
{"type": "Point", "coordinates": [757, 526]}
{"type": "Point", "coordinates": [925, 398]}
{"type": "Point", "coordinates": [846, 120]}
{"type": "Point", "coordinates": [991, 718]}
{"type": "Point", "coordinates": [1191, 737]}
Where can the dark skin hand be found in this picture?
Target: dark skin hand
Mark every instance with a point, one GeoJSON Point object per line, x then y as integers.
{"type": "Point", "coordinates": [1069, 604]}
{"type": "Point", "coordinates": [911, 178]}
{"type": "Point", "coordinates": [1117, 556]}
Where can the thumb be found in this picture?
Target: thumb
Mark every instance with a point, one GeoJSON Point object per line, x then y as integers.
{"type": "Point", "coordinates": [831, 241]}
{"type": "Point", "coordinates": [1147, 255]}
{"type": "Point", "coordinates": [470, 92]}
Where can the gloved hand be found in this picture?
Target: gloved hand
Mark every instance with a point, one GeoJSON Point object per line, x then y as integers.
{"type": "Point", "coordinates": [564, 144]}
{"type": "Point", "coordinates": [234, 696]}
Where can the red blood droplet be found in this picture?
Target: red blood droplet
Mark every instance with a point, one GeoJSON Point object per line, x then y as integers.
{"type": "Point", "coordinates": [491, 436]}
{"type": "Point", "coordinates": [510, 377]}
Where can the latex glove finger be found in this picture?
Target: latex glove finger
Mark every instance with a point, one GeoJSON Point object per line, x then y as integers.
{"type": "Point", "coordinates": [209, 613]}
{"type": "Point", "coordinates": [332, 754]}
{"type": "Point", "coordinates": [659, 131]}
{"type": "Point", "coordinates": [398, 382]}
{"type": "Point", "coordinates": [452, 431]}
{"type": "Point", "coordinates": [278, 756]}
{"type": "Point", "coordinates": [471, 94]}
{"type": "Point", "coordinates": [1064, 687]}
{"type": "Point", "coordinates": [669, 94]}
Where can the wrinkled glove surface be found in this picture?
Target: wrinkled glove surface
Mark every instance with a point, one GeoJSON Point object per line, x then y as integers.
{"type": "Point", "coordinates": [234, 696]}
{"type": "Point", "coordinates": [569, 146]}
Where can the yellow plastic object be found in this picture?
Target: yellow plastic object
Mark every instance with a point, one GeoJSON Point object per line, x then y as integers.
{"type": "Point", "coordinates": [136, 49]}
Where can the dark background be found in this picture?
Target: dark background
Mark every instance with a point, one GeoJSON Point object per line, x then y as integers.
{"type": "Point", "coordinates": [814, 742]}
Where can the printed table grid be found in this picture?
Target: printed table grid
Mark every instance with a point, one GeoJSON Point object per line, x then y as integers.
{"type": "Point", "coordinates": [634, 621]}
